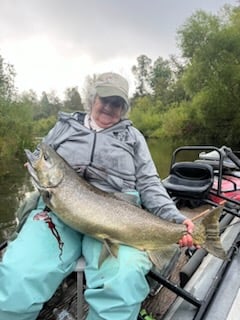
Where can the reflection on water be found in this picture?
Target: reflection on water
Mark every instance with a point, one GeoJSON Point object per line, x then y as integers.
{"type": "Point", "coordinates": [161, 153]}
{"type": "Point", "coordinates": [14, 183]}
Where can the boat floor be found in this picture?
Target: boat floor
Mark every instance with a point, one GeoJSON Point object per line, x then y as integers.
{"type": "Point", "coordinates": [156, 305]}
{"type": "Point", "coordinates": [64, 298]}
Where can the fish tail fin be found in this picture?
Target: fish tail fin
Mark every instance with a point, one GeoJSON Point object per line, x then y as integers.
{"type": "Point", "coordinates": [212, 242]}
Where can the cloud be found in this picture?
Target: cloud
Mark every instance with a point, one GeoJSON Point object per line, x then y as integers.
{"type": "Point", "coordinates": [57, 43]}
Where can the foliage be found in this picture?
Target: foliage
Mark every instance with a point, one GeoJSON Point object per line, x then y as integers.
{"type": "Point", "coordinates": [87, 90]}
{"type": "Point", "coordinates": [161, 78]}
{"type": "Point", "coordinates": [42, 126]}
{"type": "Point", "coordinates": [24, 117]}
{"type": "Point", "coordinates": [199, 97]}
{"type": "Point", "coordinates": [196, 33]}
{"type": "Point", "coordinates": [49, 106]}
{"type": "Point", "coordinates": [7, 75]}
{"type": "Point", "coordinates": [15, 128]}
{"type": "Point", "coordinates": [142, 73]}
{"type": "Point", "coordinates": [73, 101]}
{"type": "Point", "coordinates": [212, 78]}
{"type": "Point", "coordinates": [15, 117]}
{"type": "Point", "coordinates": [145, 114]}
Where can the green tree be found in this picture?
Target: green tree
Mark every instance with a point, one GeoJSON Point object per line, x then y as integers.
{"type": "Point", "coordinates": [43, 125]}
{"type": "Point", "coordinates": [161, 78]}
{"type": "Point", "coordinates": [15, 117]}
{"type": "Point", "coordinates": [55, 104]}
{"type": "Point", "coordinates": [166, 81]}
{"type": "Point", "coordinates": [142, 73]}
{"type": "Point", "coordinates": [15, 128]}
{"type": "Point", "coordinates": [45, 104]}
{"type": "Point", "coordinates": [212, 77]}
{"type": "Point", "coordinates": [87, 90]}
{"type": "Point", "coordinates": [145, 114]}
{"type": "Point", "coordinates": [196, 33]}
{"type": "Point", "coordinates": [73, 101]}
{"type": "Point", "coordinates": [30, 98]}
{"type": "Point", "coordinates": [7, 76]}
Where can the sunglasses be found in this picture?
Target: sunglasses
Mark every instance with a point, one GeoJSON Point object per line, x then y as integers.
{"type": "Point", "coordinates": [114, 102]}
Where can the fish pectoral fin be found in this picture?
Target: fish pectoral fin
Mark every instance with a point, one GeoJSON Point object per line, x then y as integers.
{"type": "Point", "coordinates": [111, 247]}
{"type": "Point", "coordinates": [164, 258]}
{"type": "Point", "coordinates": [108, 249]}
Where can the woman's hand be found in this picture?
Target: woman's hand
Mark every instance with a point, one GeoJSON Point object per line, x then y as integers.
{"type": "Point", "coordinates": [189, 224]}
{"type": "Point", "coordinates": [187, 240]}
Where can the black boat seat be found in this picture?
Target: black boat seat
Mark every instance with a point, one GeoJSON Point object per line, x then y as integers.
{"type": "Point", "coordinates": [189, 180]}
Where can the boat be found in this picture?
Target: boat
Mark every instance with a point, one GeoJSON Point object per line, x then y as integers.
{"type": "Point", "coordinates": [213, 178]}
{"type": "Point", "coordinates": [191, 286]}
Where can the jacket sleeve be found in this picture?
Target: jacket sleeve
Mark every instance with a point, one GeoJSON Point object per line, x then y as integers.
{"type": "Point", "coordinates": [154, 196]}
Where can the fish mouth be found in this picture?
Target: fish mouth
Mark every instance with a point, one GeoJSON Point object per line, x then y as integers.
{"type": "Point", "coordinates": [30, 167]}
{"type": "Point", "coordinates": [31, 157]}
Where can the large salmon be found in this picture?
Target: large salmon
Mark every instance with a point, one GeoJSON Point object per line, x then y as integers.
{"type": "Point", "coordinates": [108, 218]}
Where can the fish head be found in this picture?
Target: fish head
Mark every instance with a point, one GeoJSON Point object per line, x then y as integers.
{"type": "Point", "coordinates": [44, 167]}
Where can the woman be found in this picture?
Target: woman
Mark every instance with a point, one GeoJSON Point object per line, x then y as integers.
{"type": "Point", "coordinates": [111, 154]}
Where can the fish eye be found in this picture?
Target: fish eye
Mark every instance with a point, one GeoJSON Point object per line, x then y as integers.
{"type": "Point", "coordinates": [45, 156]}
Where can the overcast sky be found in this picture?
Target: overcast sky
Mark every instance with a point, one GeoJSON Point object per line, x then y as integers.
{"type": "Point", "coordinates": [55, 44]}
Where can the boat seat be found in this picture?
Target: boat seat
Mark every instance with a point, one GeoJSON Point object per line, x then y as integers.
{"type": "Point", "coordinates": [189, 180]}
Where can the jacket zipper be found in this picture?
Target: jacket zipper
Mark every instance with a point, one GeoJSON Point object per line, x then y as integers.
{"type": "Point", "coordinates": [93, 147]}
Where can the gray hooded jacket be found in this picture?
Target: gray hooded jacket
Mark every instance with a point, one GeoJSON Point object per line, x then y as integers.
{"type": "Point", "coordinates": [114, 159]}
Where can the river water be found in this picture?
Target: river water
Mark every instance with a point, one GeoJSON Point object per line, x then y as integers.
{"type": "Point", "coordinates": [15, 182]}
